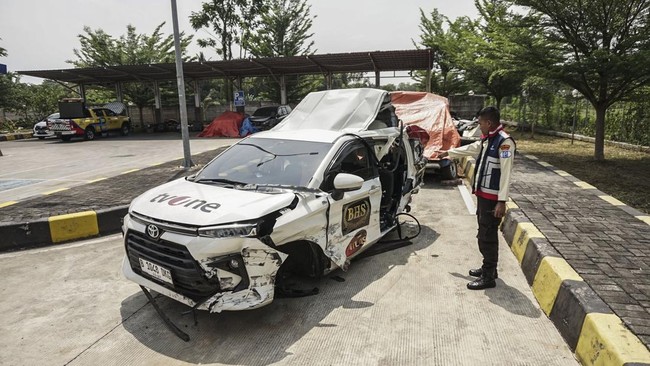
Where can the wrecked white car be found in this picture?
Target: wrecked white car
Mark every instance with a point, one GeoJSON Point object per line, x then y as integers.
{"type": "Point", "coordinates": [305, 198]}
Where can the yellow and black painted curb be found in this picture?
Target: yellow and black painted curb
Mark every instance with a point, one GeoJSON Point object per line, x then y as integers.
{"type": "Point", "coordinates": [61, 228]}
{"type": "Point", "coordinates": [593, 332]}
{"type": "Point", "coordinates": [15, 136]}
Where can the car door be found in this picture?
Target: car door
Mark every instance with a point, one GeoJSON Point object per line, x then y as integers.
{"type": "Point", "coordinates": [112, 119]}
{"type": "Point", "coordinates": [100, 121]}
{"type": "Point", "coordinates": [353, 219]}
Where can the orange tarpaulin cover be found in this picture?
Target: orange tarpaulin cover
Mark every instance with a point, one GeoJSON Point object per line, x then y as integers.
{"type": "Point", "coordinates": [430, 112]}
{"type": "Point", "coordinates": [226, 124]}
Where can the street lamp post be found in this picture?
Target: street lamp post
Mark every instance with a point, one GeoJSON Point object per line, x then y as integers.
{"type": "Point", "coordinates": [187, 156]}
{"type": "Point", "coordinates": [575, 94]}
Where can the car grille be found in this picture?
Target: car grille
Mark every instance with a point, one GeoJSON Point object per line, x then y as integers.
{"type": "Point", "coordinates": [188, 277]}
{"type": "Point", "coordinates": [61, 127]}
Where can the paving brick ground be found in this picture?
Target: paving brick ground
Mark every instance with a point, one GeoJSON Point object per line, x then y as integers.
{"type": "Point", "coordinates": [607, 246]}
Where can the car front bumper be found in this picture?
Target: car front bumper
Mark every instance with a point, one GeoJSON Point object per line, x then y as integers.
{"type": "Point", "coordinates": [200, 276]}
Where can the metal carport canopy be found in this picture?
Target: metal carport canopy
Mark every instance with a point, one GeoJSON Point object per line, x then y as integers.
{"type": "Point", "coordinates": [375, 61]}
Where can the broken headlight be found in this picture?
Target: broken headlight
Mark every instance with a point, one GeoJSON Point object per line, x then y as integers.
{"type": "Point", "coordinates": [229, 231]}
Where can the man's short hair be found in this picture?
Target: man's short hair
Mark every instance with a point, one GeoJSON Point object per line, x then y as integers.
{"type": "Point", "coordinates": [490, 113]}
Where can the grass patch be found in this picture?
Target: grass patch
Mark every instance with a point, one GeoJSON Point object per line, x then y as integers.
{"type": "Point", "coordinates": [625, 174]}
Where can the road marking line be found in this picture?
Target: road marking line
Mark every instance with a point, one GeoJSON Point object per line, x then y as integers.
{"type": "Point", "coordinates": [55, 191]}
{"type": "Point", "coordinates": [562, 173]}
{"type": "Point", "coordinates": [543, 163]}
{"type": "Point", "coordinates": [8, 203]}
{"type": "Point", "coordinates": [612, 200]}
{"type": "Point", "coordinates": [97, 180]}
{"type": "Point", "coordinates": [467, 198]}
{"type": "Point", "coordinates": [158, 163]}
{"type": "Point", "coordinates": [645, 219]}
{"type": "Point", "coordinates": [584, 185]}
{"type": "Point", "coordinates": [533, 157]}
{"type": "Point", "coordinates": [130, 171]}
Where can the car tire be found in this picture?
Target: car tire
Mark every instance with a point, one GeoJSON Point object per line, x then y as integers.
{"type": "Point", "coordinates": [89, 134]}
{"type": "Point", "coordinates": [448, 172]}
{"type": "Point", "coordinates": [125, 129]}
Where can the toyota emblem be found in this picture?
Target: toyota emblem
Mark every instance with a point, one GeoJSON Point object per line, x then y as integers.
{"type": "Point", "coordinates": [153, 231]}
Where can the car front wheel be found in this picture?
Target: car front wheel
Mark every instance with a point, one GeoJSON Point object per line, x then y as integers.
{"type": "Point", "coordinates": [126, 129]}
{"type": "Point", "coordinates": [89, 134]}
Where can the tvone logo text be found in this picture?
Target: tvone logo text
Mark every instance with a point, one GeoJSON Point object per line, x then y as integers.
{"type": "Point", "coordinates": [186, 201]}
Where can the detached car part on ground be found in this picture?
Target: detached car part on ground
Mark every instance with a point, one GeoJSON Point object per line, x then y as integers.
{"type": "Point", "coordinates": [77, 120]}
{"type": "Point", "coordinates": [431, 113]}
{"type": "Point", "coordinates": [305, 198]}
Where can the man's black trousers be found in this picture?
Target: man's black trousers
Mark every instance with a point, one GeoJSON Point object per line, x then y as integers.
{"type": "Point", "coordinates": [488, 231]}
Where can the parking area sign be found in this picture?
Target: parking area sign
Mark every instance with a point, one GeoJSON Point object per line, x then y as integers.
{"type": "Point", "coordinates": [239, 98]}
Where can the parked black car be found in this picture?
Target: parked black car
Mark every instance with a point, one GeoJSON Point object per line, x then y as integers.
{"type": "Point", "coordinates": [266, 118]}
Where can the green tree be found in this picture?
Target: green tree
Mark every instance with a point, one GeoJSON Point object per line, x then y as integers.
{"type": "Point", "coordinates": [284, 31]}
{"type": "Point", "coordinates": [446, 76]}
{"type": "Point", "coordinates": [232, 21]}
{"type": "Point", "coordinates": [599, 47]}
{"type": "Point", "coordinates": [539, 95]}
{"type": "Point", "coordinates": [99, 49]}
{"type": "Point", "coordinates": [482, 47]}
{"type": "Point", "coordinates": [29, 101]}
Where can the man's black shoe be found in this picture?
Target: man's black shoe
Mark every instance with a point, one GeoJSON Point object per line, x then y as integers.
{"type": "Point", "coordinates": [478, 272]}
{"type": "Point", "coordinates": [481, 283]}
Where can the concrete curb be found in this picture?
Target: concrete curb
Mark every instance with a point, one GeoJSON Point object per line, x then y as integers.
{"type": "Point", "coordinates": [61, 228]}
{"type": "Point", "coordinates": [588, 325]}
{"type": "Point", "coordinates": [16, 136]}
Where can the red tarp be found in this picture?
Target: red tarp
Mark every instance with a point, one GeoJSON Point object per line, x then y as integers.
{"type": "Point", "coordinates": [430, 112]}
{"type": "Point", "coordinates": [227, 124]}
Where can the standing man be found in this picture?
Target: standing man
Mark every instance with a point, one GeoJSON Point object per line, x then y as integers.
{"type": "Point", "coordinates": [494, 154]}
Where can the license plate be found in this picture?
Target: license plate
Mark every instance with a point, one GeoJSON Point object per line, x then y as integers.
{"type": "Point", "coordinates": [156, 271]}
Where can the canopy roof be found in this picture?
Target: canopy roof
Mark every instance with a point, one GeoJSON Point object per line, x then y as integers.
{"type": "Point", "coordinates": [375, 61]}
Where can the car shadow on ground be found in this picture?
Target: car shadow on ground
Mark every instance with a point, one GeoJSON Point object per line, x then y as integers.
{"type": "Point", "coordinates": [265, 335]}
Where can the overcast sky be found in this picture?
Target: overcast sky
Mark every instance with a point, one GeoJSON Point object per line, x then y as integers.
{"type": "Point", "coordinates": [41, 34]}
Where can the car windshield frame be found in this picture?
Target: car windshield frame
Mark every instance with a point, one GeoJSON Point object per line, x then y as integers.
{"type": "Point", "coordinates": [266, 162]}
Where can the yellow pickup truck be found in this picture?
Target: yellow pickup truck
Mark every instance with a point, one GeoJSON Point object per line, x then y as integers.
{"type": "Point", "coordinates": [77, 120]}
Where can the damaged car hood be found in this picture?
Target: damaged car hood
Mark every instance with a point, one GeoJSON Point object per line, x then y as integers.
{"type": "Point", "coordinates": [335, 110]}
{"type": "Point", "coordinates": [195, 204]}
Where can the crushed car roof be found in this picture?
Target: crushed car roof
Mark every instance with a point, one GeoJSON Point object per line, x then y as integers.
{"type": "Point", "coordinates": [313, 135]}
{"type": "Point", "coordinates": [347, 110]}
